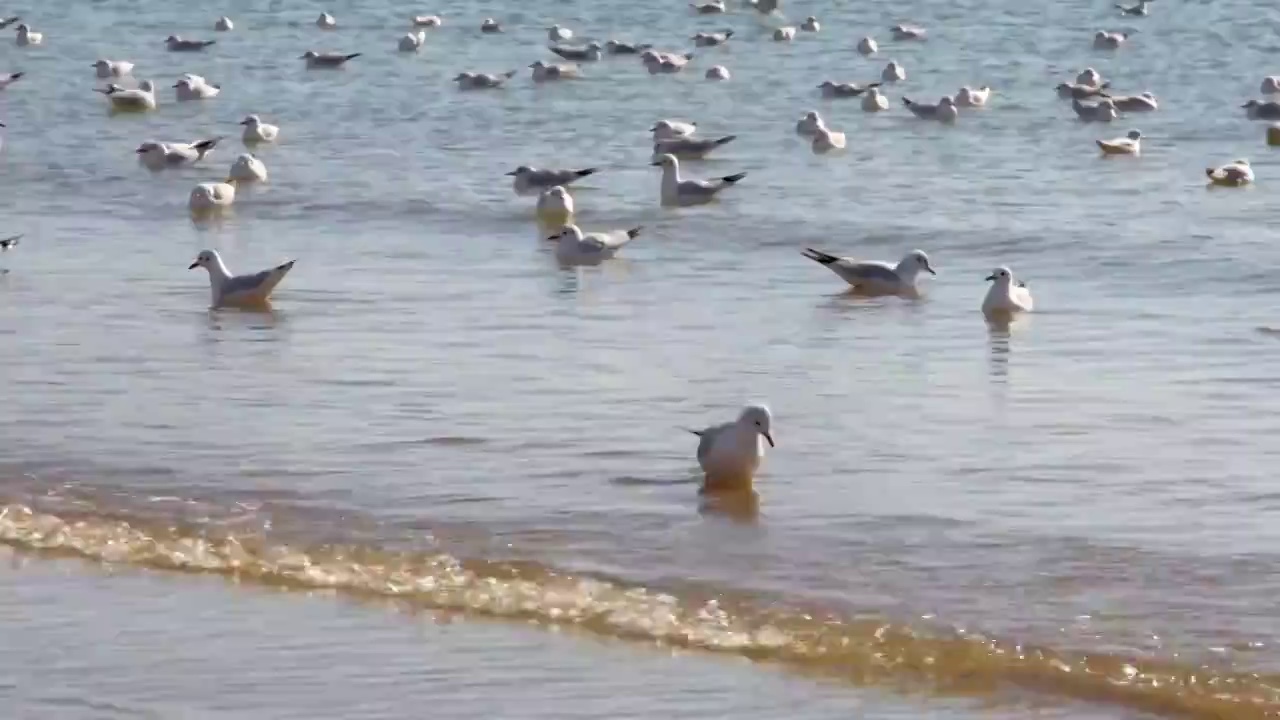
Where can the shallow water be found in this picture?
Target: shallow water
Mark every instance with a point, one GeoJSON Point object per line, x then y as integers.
{"type": "Point", "coordinates": [1068, 518]}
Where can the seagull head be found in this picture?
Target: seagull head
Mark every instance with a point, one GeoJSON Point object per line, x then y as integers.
{"type": "Point", "coordinates": [308, 55]}
{"type": "Point", "coordinates": [757, 418]}
{"type": "Point", "coordinates": [666, 161]}
{"type": "Point", "coordinates": [520, 171]}
{"type": "Point", "coordinates": [252, 120]}
{"type": "Point", "coordinates": [205, 259]}
{"type": "Point", "coordinates": [568, 232]}
{"type": "Point", "coordinates": [1134, 135]}
{"type": "Point", "coordinates": [917, 260]}
{"type": "Point", "coordinates": [1001, 276]}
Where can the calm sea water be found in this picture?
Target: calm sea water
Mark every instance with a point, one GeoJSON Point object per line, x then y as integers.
{"type": "Point", "coordinates": [445, 474]}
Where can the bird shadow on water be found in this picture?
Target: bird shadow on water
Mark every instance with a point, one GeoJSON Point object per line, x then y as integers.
{"type": "Point", "coordinates": [740, 506]}
{"type": "Point", "coordinates": [1000, 332]}
{"type": "Point", "coordinates": [251, 318]}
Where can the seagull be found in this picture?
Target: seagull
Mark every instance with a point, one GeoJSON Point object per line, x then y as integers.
{"type": "Point", "coordinates": [1103, 40]}
{"type": "Point", "coordinates": [326, 21]}
{"type": "Point", "coordinates": [874, 101]}
{"type": "Point", "coordinates": [672, 129]}
{"type": "Point", "coordinates": [1089, 76]}
{"type": "Point", "coordinates": [1271, 85]}
{"type": "Point", "coordinates": [764, 7]}
{"type": "Point", "coordinates": [808, 125]}
{"type": "Point", "coordinates": [844, 90]}
{"type": "Point", "coordinates": [592, 52]}
{"type": "Point", "coordinates": [210, 197]}
{"type": "Point", "coordinates": [1232, 174]}
{"type": "Point", "coordinates": [1005, 296]}
{"type": "Point", "coordinates": [687, 148]}
{"type": "Point", "coordinates": [908, 32]}
{"type": "Point", "coordinates": [868, 46]}
{"type": "Point", "coordinates": [195, 88]}
{"type": "Point", "coordinates": [426, 21]}
{"type": "Point", "coordinates": [555, 207]}
{"type": "Point", "coordinates": [810, 24]}
{"type": "Point", "coordinates": [945, 111]}
{"type": "Point", "coordinates": [176, 44]}
{"type": "Point", "coordinates": [615, 47]}
{"type": "Point", "coordinates": [575, 248]}
{"type": "Point", "coordinates": [556, 33]}
{"type": "Point", "coordinates": [1256, 110]}
{"type": "Point", "coordinates": [238, 290]}
{"type": "Point", "coordinates": [711, 39]}
{"type": "Point", "coordinates": [729, 454]}
{"type": "Point", "coordinates": [717, 72]}
{"type": "Point", "coordinates": [141, 99]}
{"type": "Point", "coordinates": [481, 81]}
{"type": "Point", "coordinates": [490, 26]}
{"type": "Point", "coordinates": [677, 192]}
{"type": "Point", "coordinates": [411, 42]}
{"type": "Point", "coordinates": [1081, 91]}
{"type": "Point", "coordinates": [532, 181]}
{"type": "Point", "coordinates": [1146, 102]}
{"type": "Point", "coordinates": [27, 36]}
{"type": "Point", "coordinates": [256, 131]}
{"type": "Point", "coordinates": [664, 63]}
{"type": "Point", "coordinates": [871, 277]}
{"type": "Point", "coordinates": [224, 24]}
{"type": "Point", "coordinates": [327, 60]}
{"type": "Point", "coordinates": [1130, 144]}
{"type": "Point", "coordinates": [893, 72]}
{"type": "Point", "coordinates": [11, 78]}
{"type": "Point", "coordinates": [1139, 10]}
{"type": "Point", "coordinates": [784, 34]}
{"type": "Point", "coordinates": [8, 244]}
{"type": "Point", "coordinates": [969, 97]}
{"type": "Point", "coordinates": [1103, 111]}
{"type": "Point", "coordinates": [712, 8]}
{"type": "Point", "coordinates": [158, 156]}
{"type": "Point", "coordinates": [113, 68]}
{"type": "Point", "coordinates": [248, 169]}
{"type": "Point", "coordinates": [826, 140]}
{"type": "Point", "coordinates": [544, 72]}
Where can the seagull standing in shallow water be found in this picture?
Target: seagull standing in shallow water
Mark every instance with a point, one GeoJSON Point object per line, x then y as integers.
{"type": "Point", "coordinates": [729, 454]}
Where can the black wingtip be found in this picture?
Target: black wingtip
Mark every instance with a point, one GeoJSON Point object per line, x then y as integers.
{"type": "Point", "coordinates": [586, 171]}
{"type": "Point", "coordinates": [353, 56]}
{"type": "Point", "coordinates": [635, 231]}
{"type": "Point", "coordinates": [819, 256]}
{"type": "Point", "coordinates": [907, 101]}
{"type": "Point", "coordinates": [733, 178]}
{"type": "Point", "coordinates": [15, 76]}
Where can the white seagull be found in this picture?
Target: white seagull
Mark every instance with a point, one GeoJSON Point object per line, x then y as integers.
{"type": "Point", "coordinates": [730, 454]}
{"type": "Point", "coordinates": [532, 181]}
{"type": "Point", "coordinates": [158, 156]}
{"type": "Point", "coordinates": [113, 68]}
{"type": "Point", "coordinates": [1006, 296]}
{"type": "Point", "coordinates": [248, 169]}
{"type": "Point", "coordinates": [872, 277]}
{"type": "Point", "coordinates": [138, 100]}
{"type": "Point", "coordinates": [229, 290]}
{"type": "Point", "coordinates": [575, 248]}
{"type": "Point", "coordinates": [256, 131]}
{"type": "Point", "coordinates": [677, 192]}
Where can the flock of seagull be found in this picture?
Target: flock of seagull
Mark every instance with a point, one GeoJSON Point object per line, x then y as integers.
{"type": "Point", "coordinates": [730, 453]}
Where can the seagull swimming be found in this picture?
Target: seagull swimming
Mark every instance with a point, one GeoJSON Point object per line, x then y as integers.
{"type": "Point", "coordinates": [1271, 85]}
{"type": "Point", "coordinates": [730, 454]}
{"type": "Point", "coordinates": [426, 21]}
{"type": "Point", "coordinates": [1089, 76]}
{"type": "Point", "coordinates": [810, 24]}
{"type": "Point", "coordinates": [764, 7]}
{"type": "Point", "coordinates": [27, 36]}
{"type": "Point", "coordinates": [908, 32]}
{"type": "Point", "coordinates": [872, 277]}
{"type": "Point", "coordinates": [175, 43]}
{"type": "Point", "coordinates": [784, 34]}
{"type": "Point", "coordinates": [256, 131]}
{"type": "Point", "coordinates": [327, 60]}
{"type": "Point", "coordinates": [575, 248]}
{"type": "Point", "coordinates": [826, 140]}
{"type": "Point", "coordinates": [532, 181]}
{"type": "Point", "coordinates": [712, 8]}
{"type": "Point", "coordinates": [717, 72]}
{"type": "Point", "coordinates": [1005, 296]}
{"type": "Point", "coordinates": [893, 72]}
{"type": "Point", "coordinates": [326, 21]}
{"type": "Point", "coordinates": [1103, 40]}
{"type": "Point", "coordinates": [482, 81]}
{"type": "Point", "coordinates": [238, 290]}
{"type": "Point", "coordinates": [1130, 144]}
{"type": "Point", "coordinates": [248, 169]}
{"type": "Point", "coordinates": [945, 111]}
{"type": "Point", "coordinates": [555, 207]}
{"type": "Point", "coordinates": [868, 46]}
{"type": "Point", "coordinates": [970, 97]}
{"type": "Point", "coordinates": [688, 148]}
{"type": "Point", "coordinates": [195, 88]}
{"type": "Point", "coordinates": [874, 101]}
{"type": "Point", "coordinates": [844, 90]}
{"type": "Point", "coordinates": [808, 124]}
{"type": "Point", "coordinates": [555, 33]}
{"type": "Point", "coordinates": [1146, 102]}
{"type": "Point", "coordinates": [1256, 110]}
{"type": "Point", "coordinates": [615, 47]}
{"type": "Point", "coordinates": [1233, 174]}
{"type": "Point", "coordinates": [1136, 10]}
{"type": "Point", "coordinates": [711, 39]}
{"type": "Point", "coordinates": [672, 129]}
{"type": "Point", "coordinates": [592, 52]}
{"type": "Point", "coordinates": [224, 24]}
{"type": "Point", "coordinates": [142, 98]}
{"type": "Point", "coordinates": [411, 42]}
{"type": "Point", "coordinates": [490, 26]}
{"type": "Point", "coordinates": [113, 68]}
{"type": "Point", "coordinates": [677, 192]}
{"type": "Point", "coordinates": [158, 156]}
{"type": "Point", "coordinates": [549, 72]}
{"type": "Point", "coordinates": [211, 197]}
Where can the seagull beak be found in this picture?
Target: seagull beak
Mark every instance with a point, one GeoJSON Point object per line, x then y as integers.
{"type": "Point", "coordinates": [140, 150]}
{"type": "Point", "coordinates": [768, 437]}
{"type": "Point", "coordinates": [655, 164]}
{"type": "Point", "coordinates": [194, 265]}
{"type": "Point", "coordinates": [553, 238]}
{"type": "Point", "coordinates": [175, 85]}
{"type": "Point", "coordinates": [510, 174]}
{"type": "Point", "coordinates": [991, 278]}
{"type": "Point", "coordinates": [931, 270]}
